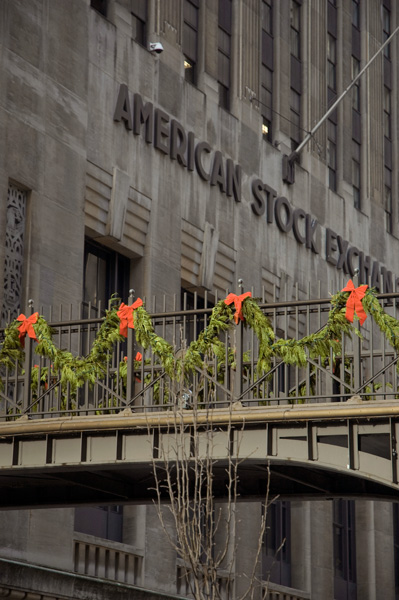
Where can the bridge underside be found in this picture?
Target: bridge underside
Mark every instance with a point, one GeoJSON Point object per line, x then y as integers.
{"type": "Point", "coordinates": [33, 488]}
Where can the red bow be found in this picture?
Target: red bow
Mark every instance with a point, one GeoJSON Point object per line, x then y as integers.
{"type": "Point", "coordinates": [238, 300]}
{"type": "Point", "coordinates": [26, 327]}
{"type": "Point", "coordinates": [125, 313]}
{"type": "Point", "coordinates": [354, 302]}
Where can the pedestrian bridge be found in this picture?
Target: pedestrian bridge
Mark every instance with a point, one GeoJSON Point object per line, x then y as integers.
{"type": "Point", "coordinates": [327, 427]}
{"type": "Point", "coordinates": [314, 451]}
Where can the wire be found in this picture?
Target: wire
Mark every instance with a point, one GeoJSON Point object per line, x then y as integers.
{"type": "Point", "coordinates": [277, 113]}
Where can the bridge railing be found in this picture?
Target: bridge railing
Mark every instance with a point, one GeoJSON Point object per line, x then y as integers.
{"type": "Point", "coordinates": [365, 367]}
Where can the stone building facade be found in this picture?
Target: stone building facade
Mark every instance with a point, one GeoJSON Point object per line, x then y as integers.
{"type": "Point", "coordinates": [123, 167]}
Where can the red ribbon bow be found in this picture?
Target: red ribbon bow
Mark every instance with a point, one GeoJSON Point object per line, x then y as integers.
{"type": "Point", "coordinates": [354, 302]}
{"type": "Point", "coordinates": [125, 313]}
{"type": "Point", "coordinates": [26, 327]}
{"type": "Point", "coordinates": [238, 300]}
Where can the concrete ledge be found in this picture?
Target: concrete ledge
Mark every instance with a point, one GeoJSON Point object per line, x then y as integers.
{"type": "Point", "coordinates": [25, 581]}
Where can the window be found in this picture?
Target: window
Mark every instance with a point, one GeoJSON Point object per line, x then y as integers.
{"type": "Point", "coordinates": [388, 199]}
{"type": "Point", "coordinates": [356, 87]}
{"type": "Point", "coordinates": [295, 74]}
{"type": "Point", "coordinates": [332, 155]}
{"type": "Point", "coordinates": [100, 6]}
{"type": "Point", "coordinates": [387, 113]}
{"type": "Point", "coordinates": [190, 39]}
{"type": "Point", "coordinates": [276, 549]}
{"type": "Point", "coordinates": [101, 521]}
{"type": "Point", "coordinates": [139, 21]}
{"type": "Point", "coordinates": [356, 173]}
{"type": "Point", "coordinates": [344, 549]}
{"type": "Point", "coordinates": [267, 16]}
{"type": "Point", "coordinates": [105, 273]}
{"type": "Point", "coordinates": [356, 134]}
{"type": "Point", "coordinates": [224, 52]}
{"type": "Point", "coordinates": [14, 253]}
{"type": "Point", "coordinates": [356, 14]}
{"type": "Point", "coordinates": [386, 26]}
{"type": "Point", "coordinates": [266, 101]}
{"type": "Point", "coordinates": [387, 120]}
{"type": "Point", "coordinates": [295, 29]}
{"type": "Point", "coordinates": [194, 324]}
{"type": "Point", "coordinates": [295, 117]}
{"type": "Point", "coordinates": [332, 62]}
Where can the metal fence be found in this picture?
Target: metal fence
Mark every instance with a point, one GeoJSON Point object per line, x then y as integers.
{"type": "Point", "coordinates": [365, 367]}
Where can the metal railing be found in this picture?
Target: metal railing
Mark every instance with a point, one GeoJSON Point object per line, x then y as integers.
{"type": "Point", "coordinates": [366, 367]}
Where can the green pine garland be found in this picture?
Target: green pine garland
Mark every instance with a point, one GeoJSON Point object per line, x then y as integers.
{"type": "Point", "coordinates": [74, 371]}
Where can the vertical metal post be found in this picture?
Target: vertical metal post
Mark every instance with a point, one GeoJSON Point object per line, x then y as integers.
{"type": "Point", "coordinates": [357, 371]}
{"type": "Point", "coordinates": [28, 363]}
{"type": "Point", "coordinates": [130, 357]}
{"type": "Point", "coordinates": [238, 380]}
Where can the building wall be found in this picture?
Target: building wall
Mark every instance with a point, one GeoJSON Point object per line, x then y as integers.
{"type": "Point", "coordinates": [87, 174]}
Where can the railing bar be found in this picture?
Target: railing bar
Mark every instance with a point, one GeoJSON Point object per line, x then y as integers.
{"type": "Point", "coordinates": [381, 371]}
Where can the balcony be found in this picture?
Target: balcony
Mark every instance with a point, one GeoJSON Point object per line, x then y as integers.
{"type": "Point", "coordinates": [124, 375]}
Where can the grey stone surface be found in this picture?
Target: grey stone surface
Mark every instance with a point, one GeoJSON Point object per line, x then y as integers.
{"type": "Point", "coordinates": [61, 65]}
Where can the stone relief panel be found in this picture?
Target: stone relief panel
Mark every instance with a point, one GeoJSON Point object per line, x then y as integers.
{"type": "Point", "coordinates": [14, 253]}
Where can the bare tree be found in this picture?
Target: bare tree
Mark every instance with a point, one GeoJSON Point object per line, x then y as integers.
{"type": "Point", "coordinates": [196, 477]}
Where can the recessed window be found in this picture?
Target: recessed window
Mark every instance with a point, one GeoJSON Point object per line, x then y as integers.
{"type": "Point", "coordinates": [190, 39]}
{"type": "Point", "coordinates": [295, 29]}
{"type": "Point", "coordinates": [386, 23]}
{"type": "Point", "coordinates": [105, 273]}
{"type": "Point", "coordinates": [331, 62]}
{"type": "Point", "coordinates": [276, 549]}
{"type": "Point", "coordinates": [100, 6]}
{"type": "Point", "coordinates": [344, 549]}
{"type": "Point", "coordinates": [388, 200]}
{"type": "Point", "coordinates": [139, 21]}
{"type": "Point", "coordinates": [224, 51]}
{"type": "Point", "coordinates": [104, 522]}
{"type": "Point", "coordinates": [356, 13]}
{"type": "Point", "coordinates": [332, 155]}
{"type": "Point", "coordinates": [356, 173]}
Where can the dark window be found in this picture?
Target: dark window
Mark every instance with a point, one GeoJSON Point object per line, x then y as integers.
{"type": "Point", "coordinates": [190, 39]}
{"type": "Point", "coordinates": [295, 118]}
{"type": "Point", "coordinates": [101, 521]}
{"type": "Point", "coordinates": [356, 173]}
{"type": "Point", "coordinates": [194, 324]}
{"type": "Point", "coordinates": [332, 62]}
{"type": "Point", "coordinates": [344, 550]}
{"type": "Point", "coordinates": [267, 70]}
{"type": "Point", "coordinates": [105, 273]}
{"type": "Point", "coordinates": [224, 51]}
{"type": "Point", "coordinates": [139, 21]}
{"type": "Point", "coordinates": [356, 87]}
{"type": "Point", "coordinates": [386, 26]}
{"type": "Point", "coordinates": [387, 113]}
{"type": "Point", "coordinates": [295, 74]}
{"type": "Point", "coordinates": [276, 550]}
{"type": "Point", "coordinates": [388, 199]}
{"type": "Point", "coordinates": [356, 14]}
{"type": "Point", "coordinates": [295, 29]}
{"type": "Point", "coordinates": [332, 155]}
{"type": "Point", "coordinates": [100, 6]}
{"type": "Point", "coordinates": [267, 16]}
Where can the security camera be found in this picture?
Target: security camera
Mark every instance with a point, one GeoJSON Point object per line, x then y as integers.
{"type": "Point", "coordinates": [155, 47]}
